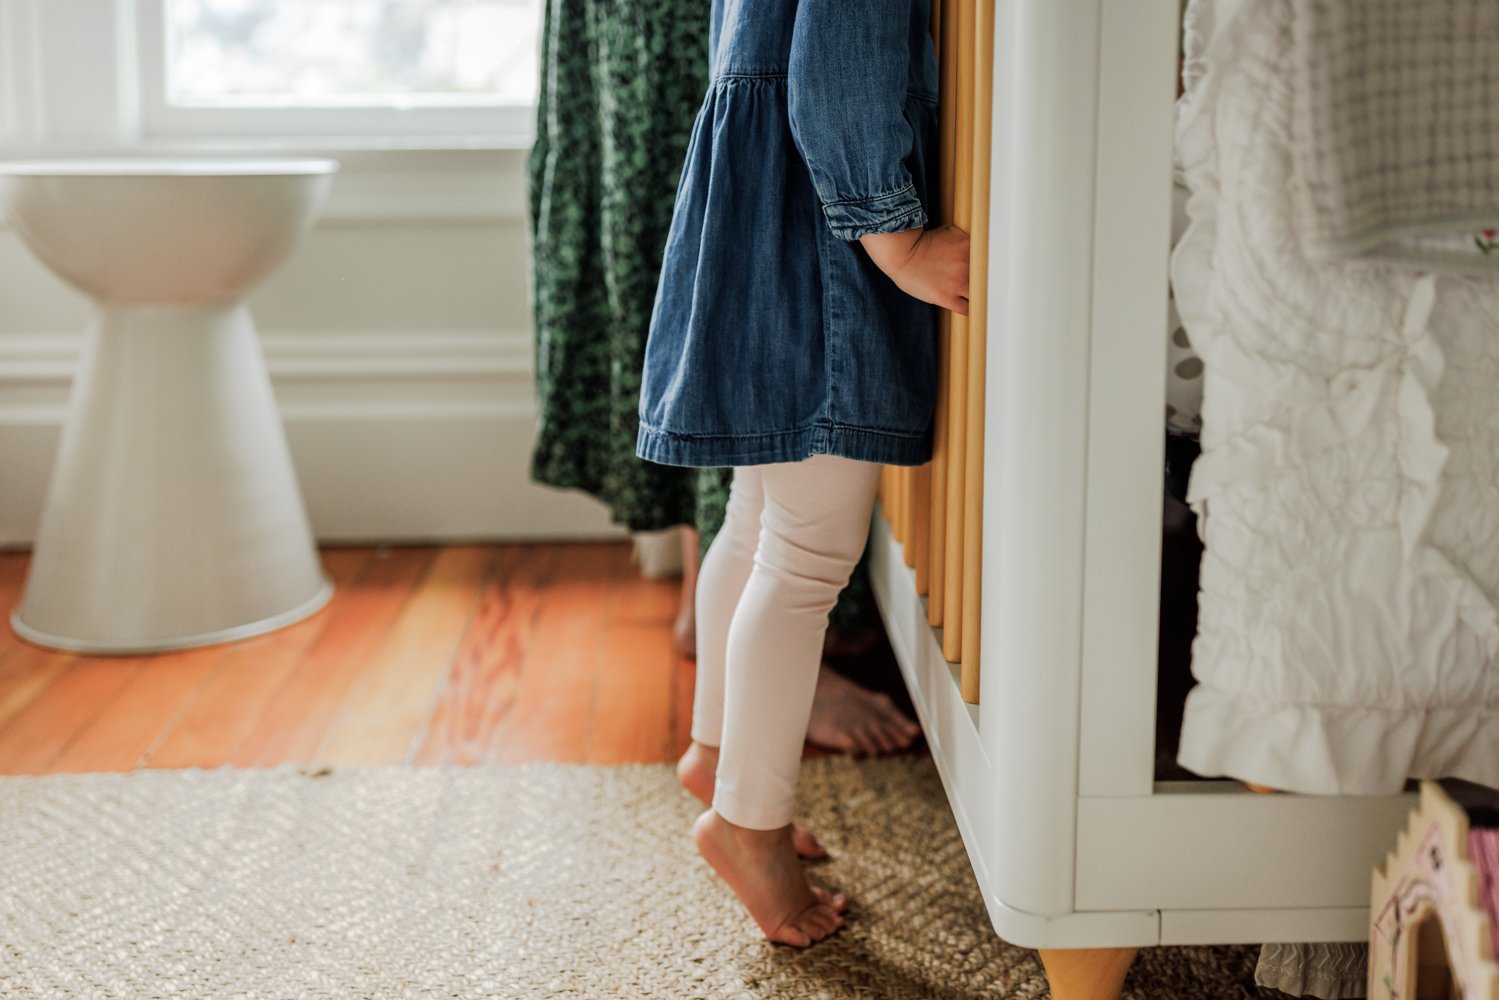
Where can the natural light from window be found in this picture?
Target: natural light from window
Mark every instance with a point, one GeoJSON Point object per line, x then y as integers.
{"type": "Point", "coordinates": [351, 53]}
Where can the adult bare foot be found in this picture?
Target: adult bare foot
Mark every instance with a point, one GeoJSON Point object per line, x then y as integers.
{"type": "Point", "coordinates": [852, 719]}
{"type": "Point", "coordinates": [762, 868]}
{"type": "Point", "coordinates": [849, 642]}
{"type": "Point", "coordinates": [698, 771]}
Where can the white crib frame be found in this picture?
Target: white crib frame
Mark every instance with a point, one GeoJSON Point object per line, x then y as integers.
{"type": "Point", "coordinates": [1051, 777]}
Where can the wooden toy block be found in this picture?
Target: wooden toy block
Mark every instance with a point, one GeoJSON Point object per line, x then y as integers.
{"type": "Point", "coordinates": [1430, 938]}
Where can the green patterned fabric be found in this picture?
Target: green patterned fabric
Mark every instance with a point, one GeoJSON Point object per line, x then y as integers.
{"type": "Point", "coordinates": [621, 84]}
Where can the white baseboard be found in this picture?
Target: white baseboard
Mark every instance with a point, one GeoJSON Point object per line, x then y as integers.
{"type": "Point", "coordinates": [422, 436]}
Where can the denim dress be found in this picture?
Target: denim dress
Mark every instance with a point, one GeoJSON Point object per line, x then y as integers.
{"type": "Point", "coordinates": [774, 337]}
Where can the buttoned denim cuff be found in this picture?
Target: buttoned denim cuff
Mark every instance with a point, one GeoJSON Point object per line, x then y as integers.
{"type": "Point", "coordinates": [885, 213]}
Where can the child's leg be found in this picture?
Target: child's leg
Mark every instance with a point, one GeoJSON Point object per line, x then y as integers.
{"type": "Point", "coordinates": [721, 580]}
{"type": "Point", "coordinates": [814, 526]}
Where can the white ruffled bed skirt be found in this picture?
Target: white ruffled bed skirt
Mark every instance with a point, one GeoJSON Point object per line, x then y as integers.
{"type": "Point", "coordinates": [1348, 490]}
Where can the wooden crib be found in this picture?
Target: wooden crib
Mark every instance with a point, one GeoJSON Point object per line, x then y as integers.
{"type": "Point", "coordinates": [1018, 573]}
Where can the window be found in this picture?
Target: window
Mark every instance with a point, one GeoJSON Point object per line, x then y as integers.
{"type": "Point", "coordinates": [339, 67]}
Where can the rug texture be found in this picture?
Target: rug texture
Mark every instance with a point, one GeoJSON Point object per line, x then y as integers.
{"type": "Point", "coordinates": [542, 880]}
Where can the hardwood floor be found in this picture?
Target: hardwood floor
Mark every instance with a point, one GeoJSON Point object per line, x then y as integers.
{"type": "Point", "coordinates": [459, 654]}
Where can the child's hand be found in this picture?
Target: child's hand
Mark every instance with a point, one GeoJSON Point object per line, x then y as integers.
{"type": "Point", "coordinates": [928, 264]}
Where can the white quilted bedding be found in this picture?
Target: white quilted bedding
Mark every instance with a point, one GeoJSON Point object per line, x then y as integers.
{"type": "Point", "coordinates": [1349, 484]}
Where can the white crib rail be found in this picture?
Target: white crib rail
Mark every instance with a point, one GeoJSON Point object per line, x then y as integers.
{"type": "Point", "coordinates": [1051, 777]}
{"type": "Point", "coordinates": [1042, 221]}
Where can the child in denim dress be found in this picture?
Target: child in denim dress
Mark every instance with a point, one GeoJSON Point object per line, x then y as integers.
{"type": "Point", "coordinates": [793, 339]}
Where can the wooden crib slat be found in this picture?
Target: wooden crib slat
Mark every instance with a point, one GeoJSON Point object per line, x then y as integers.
{"type": "Point", "coordinates": [918, 531]}
{"type": "Point", "coordinates": [908, 474]}
{"type": "Point", "coordinates": [946, 195]}
{"type": "Point", "coordinates": [903, 477]}
{"type": "Point", "coordinates": [978, 323]}
{"type": "Point", "coordinates": [892, 501]}
{"type": "Point", "coordinates": [898, 524]}
{"type": "Point", "coordinates": [957, 393]}
{"type": "Point", "coordinates": [921, 526]}
{"type": "Point", "coordinates": [882, 492]}
{"type": "Point", "coordinates": [937, 482]}
{"type": "Point", "coordinates": [897, 504]}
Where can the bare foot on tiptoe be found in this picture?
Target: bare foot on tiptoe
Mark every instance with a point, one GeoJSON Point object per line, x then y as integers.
{"type": "Point", "coordinates": [852, 719]}
{"type": "Point", "coordinates": [762, 868]}
{"type": "Point", "coordinates": [697, 771]}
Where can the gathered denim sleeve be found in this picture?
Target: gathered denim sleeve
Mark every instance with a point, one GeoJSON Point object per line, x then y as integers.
{"type": "Point", "coordinates": [847, 82]}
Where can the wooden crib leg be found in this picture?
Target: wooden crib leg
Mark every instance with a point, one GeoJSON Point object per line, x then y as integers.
{"type": "Point", "coordinates": [1087, 973]}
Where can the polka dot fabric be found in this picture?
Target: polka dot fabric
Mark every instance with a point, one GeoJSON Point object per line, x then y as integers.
{"type": "Point", "coordinates": [1183, 366]}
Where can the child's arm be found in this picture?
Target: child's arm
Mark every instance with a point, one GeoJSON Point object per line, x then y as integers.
{"type": "Point", "coordinates": [847, 86]}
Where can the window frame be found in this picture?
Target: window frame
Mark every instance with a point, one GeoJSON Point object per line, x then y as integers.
{"type": "Point", "coordinates": [441, 124]}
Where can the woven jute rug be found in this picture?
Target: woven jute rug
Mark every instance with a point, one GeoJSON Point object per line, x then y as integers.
{"type": "Point", "coordinates": [528, 881]}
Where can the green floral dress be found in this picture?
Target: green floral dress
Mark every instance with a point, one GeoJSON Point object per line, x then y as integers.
{"type": "Point", "coordinates": [621, 85]}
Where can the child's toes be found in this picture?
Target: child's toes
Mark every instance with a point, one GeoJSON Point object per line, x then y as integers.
{"type": "Point", "coordinates": [792, 935]}
{"type": "Point", "coordinates": [835, 901]}
{"type": "Point", "coordinates": [823, 921]}
{"type": "Point", "coordinates": [814, 928]}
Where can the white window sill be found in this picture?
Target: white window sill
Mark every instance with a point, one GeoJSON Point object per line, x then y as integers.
{"type": "Point", "coordinates": [362, 149]}
{"type": "Point", "coordinates": [360, 144]}
{"type": "Point", "coordinates": [460, 180]}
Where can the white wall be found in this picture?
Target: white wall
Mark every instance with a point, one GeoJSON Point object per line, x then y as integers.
{"type": "Point", "coordinates": [398, 336]}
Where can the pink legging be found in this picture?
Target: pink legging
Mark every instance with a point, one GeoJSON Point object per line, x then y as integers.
{"type": "Point", "coordinates": [791, 537]}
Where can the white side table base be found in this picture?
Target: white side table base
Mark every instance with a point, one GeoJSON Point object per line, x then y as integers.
{"type": "Point", "coordinates": [173, 518]}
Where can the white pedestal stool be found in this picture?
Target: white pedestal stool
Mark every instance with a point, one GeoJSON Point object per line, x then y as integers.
{"type": "Point", "coordinates": [173, 517]}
